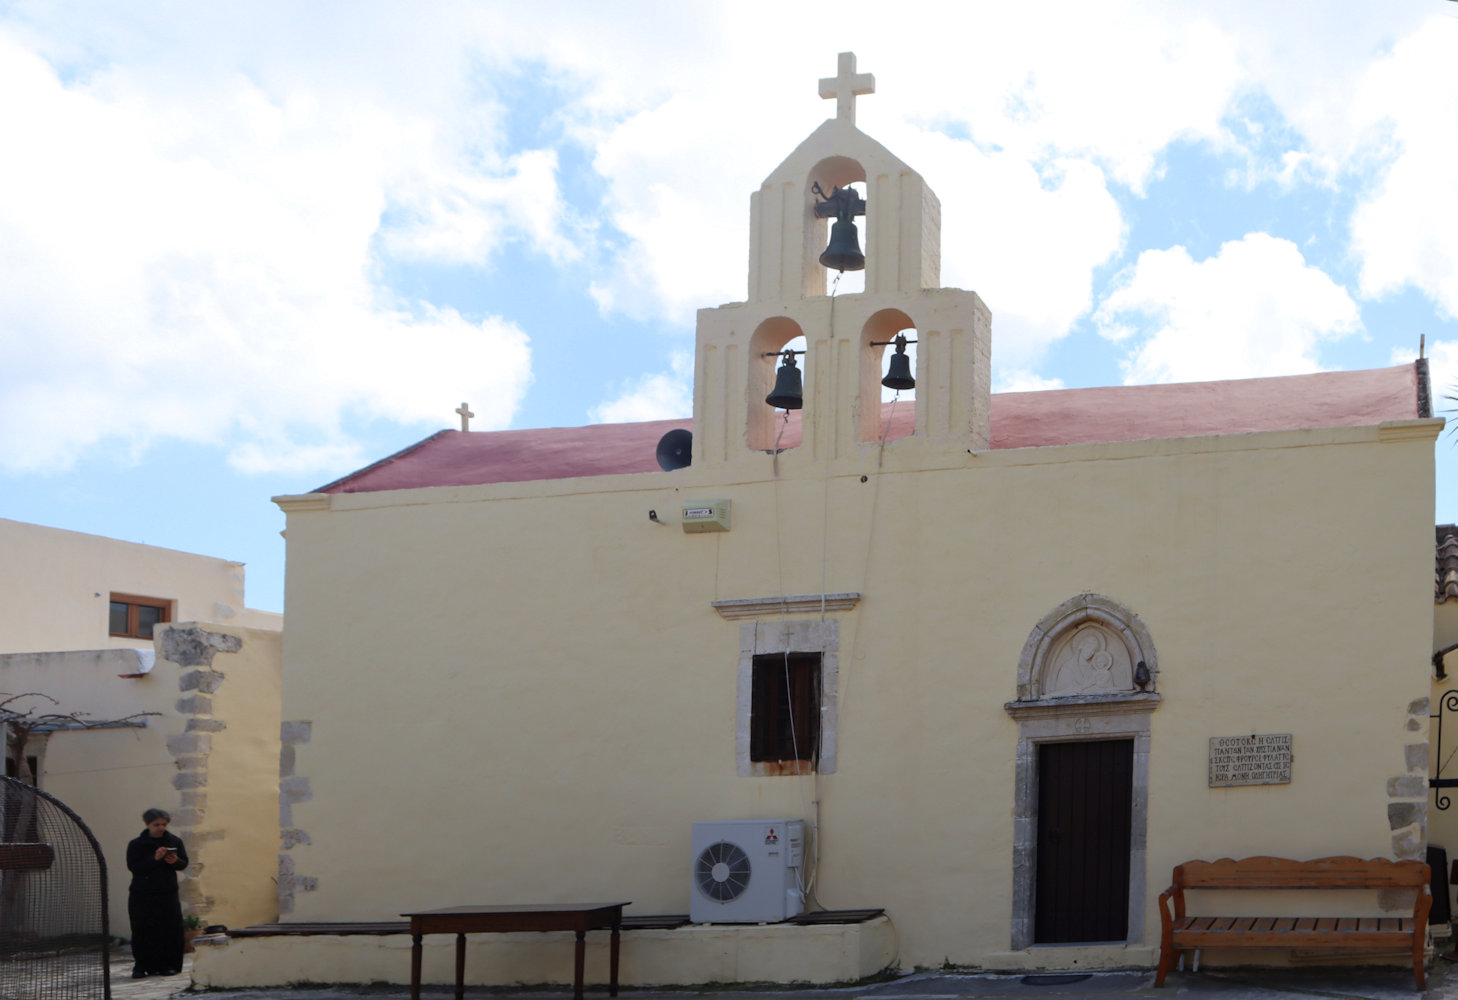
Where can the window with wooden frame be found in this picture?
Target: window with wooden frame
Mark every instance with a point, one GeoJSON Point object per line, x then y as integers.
{"type": "Point", "coordinates": [134, 617]}
{"type": "Point", "coordinates": [764, 642]}
{"type": "Point", "coordinates": [784, 715]}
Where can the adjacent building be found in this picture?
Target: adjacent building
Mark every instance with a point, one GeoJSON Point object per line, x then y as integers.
{"type": "Point", "coordinates": [107, 630]}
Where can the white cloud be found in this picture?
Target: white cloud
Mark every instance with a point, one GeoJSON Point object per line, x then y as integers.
{"type": "Point", "coordinates": [1019, 141]}
{"type": "Point", "coordinates": [201, 266]}
{"type": "Point", "coordinates": [1405, 231]}
{"type": "Point", "coordinates": [1365, 91]}
{"type": "Point", "coordinates": [682, 204]}
{"type": "Point", "coordinates": [465, 218]}
{"type": "Point", "coordinates": [661, 396]}
{"type": "Point", "coordinates": [1024, 381]}
{"type": "Point", "coordinates": [1308, 58]}
{"type": "Point", "coordinates": [1254, 309]}
{"type": "Point", "coordinates": [218, 187]}
{"type": "Point", "coordinates": [1027, 211]}
{"type": "Point", "coordinates": [1031, 251]}
{"type": "Point", "coordinates": [1111, 83]}
{"type": "Point", "coordinates": [259, 457]}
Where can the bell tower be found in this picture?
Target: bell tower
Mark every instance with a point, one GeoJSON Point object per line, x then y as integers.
{"type": "Point", "coordinates": [789, 287]}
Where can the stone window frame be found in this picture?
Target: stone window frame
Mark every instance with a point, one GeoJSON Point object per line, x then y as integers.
{"type": "Point", "coordinates": [1079, 718]}
{"type": "Point", "coordinates": [760, 638]}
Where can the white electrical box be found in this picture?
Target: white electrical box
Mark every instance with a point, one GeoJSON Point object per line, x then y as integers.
{"type": "Point", "coordinates": [706, 515]}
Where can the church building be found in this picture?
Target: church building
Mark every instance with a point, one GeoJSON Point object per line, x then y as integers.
{"type": "Point", "coordinates": [981, 667]}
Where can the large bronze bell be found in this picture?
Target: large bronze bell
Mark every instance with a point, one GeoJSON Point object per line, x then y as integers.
{"type": "Point", "coordinates": [898, 372]}
{"type": "Point", "coordinates": [787, 393]}
{"type": "Point", "coordinates": [844, 250]}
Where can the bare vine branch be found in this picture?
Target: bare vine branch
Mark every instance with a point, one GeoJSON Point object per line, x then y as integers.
{"type": "Point", "coordinates": [22, 724]}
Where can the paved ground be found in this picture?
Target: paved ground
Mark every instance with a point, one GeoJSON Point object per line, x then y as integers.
{"type": "Point", "coordinates": [124, 987]}
{"type": "Point", "coordinates": [1263, 984]}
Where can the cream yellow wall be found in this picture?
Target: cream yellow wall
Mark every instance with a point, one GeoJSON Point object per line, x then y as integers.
{"type": "Point", "coordinates": [1445, 624]}
{"type": "Point", "coordinates": [56, 590]}
{"type": "Point", "coordinates": [236, 827]}
{"type": "Point", "coordinates": [108, 777]}
{"type": "Point", "coordinates": [520, 693]}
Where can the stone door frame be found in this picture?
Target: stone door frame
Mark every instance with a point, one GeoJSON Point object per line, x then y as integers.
{"type": "Point", "coordinates": [1120, 715]}
{"type": "Point", "coordinates": [1107, 720]}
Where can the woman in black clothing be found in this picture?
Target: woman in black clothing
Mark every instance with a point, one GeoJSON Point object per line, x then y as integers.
{"type": "Point", "coordinates": [154, 859]}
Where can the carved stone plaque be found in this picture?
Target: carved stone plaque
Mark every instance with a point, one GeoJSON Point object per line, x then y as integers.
{"type": "Point", "coordinates": [1250, 760]}
{"type": "Point", "coordinates": [1090, 660]}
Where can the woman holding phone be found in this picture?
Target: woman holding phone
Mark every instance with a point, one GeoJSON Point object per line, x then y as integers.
{"type": "Point", "coordinates": [154, 858]}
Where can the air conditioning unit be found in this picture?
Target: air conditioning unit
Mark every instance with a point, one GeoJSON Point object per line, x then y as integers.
{"type": "Point", "coordinates": [747, 871]}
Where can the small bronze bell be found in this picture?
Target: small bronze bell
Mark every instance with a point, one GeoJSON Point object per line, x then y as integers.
{"type": "Point", "coordinates": [787, 393]}
{"type": "Point", "coordinates": [898, 372]}
{"type": "Point", "coordinates": [844, 250]}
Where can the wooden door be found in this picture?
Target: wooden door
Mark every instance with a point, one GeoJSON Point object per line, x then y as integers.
{"type": "Point", "coordinates": [1085, 797]}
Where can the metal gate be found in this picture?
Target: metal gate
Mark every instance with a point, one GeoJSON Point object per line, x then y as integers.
{"type": "Point", "coordinates": [54, 939]}
{"type": "Point", "coordinates": [1085, 794]}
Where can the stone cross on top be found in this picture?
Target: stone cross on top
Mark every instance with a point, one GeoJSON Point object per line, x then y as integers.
{"type": "Point", "coordinates": [846, 86]}
{"type": "Point", "coordinates": [466, 415]}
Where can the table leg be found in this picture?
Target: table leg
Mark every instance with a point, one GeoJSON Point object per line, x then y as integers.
{"type": "Point", "coordinates": [579, 963]}
{"type": "Point", "coordinates": [613, 963]}
{"type": "Point", "coordinates": [415, 967]}
{"type": "Point", "coordinates": [460, 967]}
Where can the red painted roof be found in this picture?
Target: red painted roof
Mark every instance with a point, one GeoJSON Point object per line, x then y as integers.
{"type": "Point", "coordinates": [1019, 420]}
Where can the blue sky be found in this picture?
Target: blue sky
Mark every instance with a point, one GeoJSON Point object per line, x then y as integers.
{"type": "Point", "coordinates": [245, 249]}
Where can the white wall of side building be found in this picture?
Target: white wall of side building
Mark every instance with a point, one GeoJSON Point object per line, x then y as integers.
{"type": "Point", "coordinates": [56, 587]}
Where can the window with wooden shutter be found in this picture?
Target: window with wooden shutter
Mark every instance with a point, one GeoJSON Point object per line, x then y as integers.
{"type": "Point", "coordinates": [784, 719]}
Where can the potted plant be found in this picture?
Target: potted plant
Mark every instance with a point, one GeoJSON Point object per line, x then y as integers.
{"type": "Point", "coordinates": [192, 926]}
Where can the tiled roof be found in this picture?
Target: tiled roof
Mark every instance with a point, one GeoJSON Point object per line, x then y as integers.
{"type": "Point", "coordinates": [1019, 420]}
{"type": "Point", "coordinates": [1445, 577]}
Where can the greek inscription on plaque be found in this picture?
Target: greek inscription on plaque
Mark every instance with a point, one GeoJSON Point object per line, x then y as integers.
{"type": "Point", "coordinates": [1250, 760]}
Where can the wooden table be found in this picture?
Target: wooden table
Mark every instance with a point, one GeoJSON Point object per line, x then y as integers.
{"type": "Point", "coordinates": [462, 920]}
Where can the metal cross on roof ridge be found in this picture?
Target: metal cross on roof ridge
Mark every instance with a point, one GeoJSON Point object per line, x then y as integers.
{"type": "Point", "coordinates": [846, 86]}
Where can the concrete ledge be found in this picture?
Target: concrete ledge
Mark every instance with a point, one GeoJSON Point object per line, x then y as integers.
{"type": "Point", "coordinates": [1065, 957]}
{"type": "Point", "coordinates": [681, 956]}
{"type": "Point", "coordinates": [1102, 957]}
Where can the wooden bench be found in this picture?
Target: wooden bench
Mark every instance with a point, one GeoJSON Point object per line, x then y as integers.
{"type": "Point", "coordinates": [1334, 934]}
